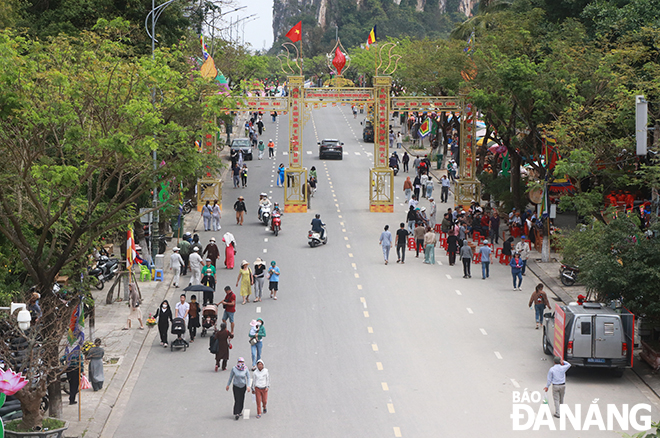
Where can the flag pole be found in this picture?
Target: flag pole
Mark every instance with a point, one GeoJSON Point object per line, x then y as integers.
{"type": "Point", "coordinates": [301, 55]}
{"type": "Point", "coordinates": [79, 379]}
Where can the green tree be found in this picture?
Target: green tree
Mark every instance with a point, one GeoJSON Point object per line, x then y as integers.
{"type": "Point", "coordinates": [77, 132]}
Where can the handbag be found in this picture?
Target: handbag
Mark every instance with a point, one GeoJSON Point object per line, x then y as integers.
{"type": "Point", "coordinates": [254, 340]}
{"type": "Point", "coordinates": [84, 383]}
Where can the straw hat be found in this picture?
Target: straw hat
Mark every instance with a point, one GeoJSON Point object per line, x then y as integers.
{"type": "Point", "coordinates": [258, 261]}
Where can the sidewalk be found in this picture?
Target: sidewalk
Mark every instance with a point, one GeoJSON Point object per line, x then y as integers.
{"type": "Point", "coordinates": [548, 273]}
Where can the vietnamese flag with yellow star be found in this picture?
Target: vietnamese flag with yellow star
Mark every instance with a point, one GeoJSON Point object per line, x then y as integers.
{"type": "Point", "coordinates": [295, 34]}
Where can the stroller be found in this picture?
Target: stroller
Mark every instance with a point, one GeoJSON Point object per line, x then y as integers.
{"type": "Point", "coordinates": [209, 318]}
{"type": "Point", "coordinates": [178, 329]}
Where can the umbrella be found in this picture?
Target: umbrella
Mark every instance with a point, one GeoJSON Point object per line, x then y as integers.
{"type": "Point", "coordinates": [199, 288]}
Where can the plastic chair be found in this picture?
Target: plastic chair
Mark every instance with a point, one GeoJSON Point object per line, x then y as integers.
{"type": "Point", "coordinates": [411, 243]}
{"type": "Point", "coordinates": [159, 275]}
{"type": "Point", "coordinates": [498, 252]}
{"type": "Point", "coordinates": [476, 236]}
{"type": "Point", "coordinates": [145, 273]}
{"type": "Point", "coordinates": [438, 228]}
{"type": "Point", "coordinates": [476, 258]}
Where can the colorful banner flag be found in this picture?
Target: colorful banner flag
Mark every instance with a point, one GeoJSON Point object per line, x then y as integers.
{"type": "Point", "coordinates": [205, 49]}
{"type": "Point", "coordinates": [76, 325]}
{"type": "Point", "coordinates": [425, 128]}
{"type": "Point", "coordinates": [295, 33]}
{"type": "Point", "coordinates": [371, 39]}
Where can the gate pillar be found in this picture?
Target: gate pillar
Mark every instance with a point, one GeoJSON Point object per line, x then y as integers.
{"type": "Point", "coordinates": [295, 198]}
{"type": "Point", "coordinates": [468, 187]}
{"type": "Point", "coordinates": [381, 178]}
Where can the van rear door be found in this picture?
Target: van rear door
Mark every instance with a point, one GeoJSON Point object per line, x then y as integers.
{"type": "Point", "coordinates": [608, 337]}
{"type": "Point", "coordinates": [582, 336]}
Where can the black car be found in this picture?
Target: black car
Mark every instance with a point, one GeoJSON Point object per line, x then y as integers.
{"type": "Point", "coordinates": [243, 145]}
{"type": "Point", "coordinates": [331, 147]}
{"type": "Point", "coordinates": [368, 131]}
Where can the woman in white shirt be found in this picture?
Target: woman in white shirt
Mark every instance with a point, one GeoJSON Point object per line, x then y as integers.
{"type": "Point", "coordinates": [260, 385]}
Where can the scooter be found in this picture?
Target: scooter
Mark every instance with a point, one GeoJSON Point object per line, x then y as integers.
{"type": "Point", "coordinates": [105, 270]}
{"type": "Point", "coordinates": [264, 216]}
{"type": "Point", "coordinates": [395, 168]}
{"type": "Point", "coordinates": [276, 222]}
{"type": "Point", "coordinates": [568, 274]}
{"type": "Point", "coordinates": [187, 206]}
{"type": "Point", "coordinates": [314, 238]}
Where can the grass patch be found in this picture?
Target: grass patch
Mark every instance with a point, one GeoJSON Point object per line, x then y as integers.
{"type": "Point", "coordinates": [47, 424]}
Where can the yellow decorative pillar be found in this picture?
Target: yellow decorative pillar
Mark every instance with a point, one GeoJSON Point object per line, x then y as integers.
{"type": "Point", "coordinates": [468, 187]}
{"type": "Point", "coordinates": [295, 198]}
{"type": "Point", "coordinates": [381, 178]}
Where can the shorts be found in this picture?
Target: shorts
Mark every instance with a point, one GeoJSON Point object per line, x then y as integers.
{"type": "Point", "coordinates": [272, 285]}
{"type": "Point", "coordinates": [228, 316]}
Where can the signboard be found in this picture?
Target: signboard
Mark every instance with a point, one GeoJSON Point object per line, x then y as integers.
{"type": "Point", "coordinates": [426, 104]}
{"type": "Point", "coordinates": [264, 104]}
{"type": "Point", "coordinates": [560, 332]}
{"type": "Point", "coordinates": [353, 95]}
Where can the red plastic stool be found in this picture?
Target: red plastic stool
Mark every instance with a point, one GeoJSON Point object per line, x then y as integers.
{"type": "Point", "coordinates": [476, 258]}
{"type": "Point", "coordinates": [498, 252]}
{"type": "Point", "coordinates": [438, 228]}
{"type": "Point", "coordinates": [476, 236]}
{"type": "Point", "coordinates": [411, 243]}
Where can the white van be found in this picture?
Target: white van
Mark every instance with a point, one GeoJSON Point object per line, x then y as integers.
{"type": "Point", "coordinates": [590, 335]}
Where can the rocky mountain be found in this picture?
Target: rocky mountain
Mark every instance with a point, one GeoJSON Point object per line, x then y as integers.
{"type": "Point", "coordinates": [418, 18]}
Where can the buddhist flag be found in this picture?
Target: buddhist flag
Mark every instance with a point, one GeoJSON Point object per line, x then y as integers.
{"type": "Point", "coordinates": [425, 128]}
{"type": "Point", "coordinates": [372, 37]}
{"type": "Point", "coordinates": [295, 34]}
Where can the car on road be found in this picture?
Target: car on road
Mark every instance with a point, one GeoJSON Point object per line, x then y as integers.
{"type": "Point", "coordinates": [590, 335]}
{"type": "Point", "coordinates": [368, 131]}
{"type": "Point", "coordinates": [243, 145]}
{"type": "Point", "coordinates": [331, 147]}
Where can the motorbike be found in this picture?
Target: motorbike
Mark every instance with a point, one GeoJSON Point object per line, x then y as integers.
{"type": "Point", "coordinates": [314, 238]}
{"type": "Point", "coordinates": [276, 222]}
{"type": "Point", "coordinates": [568, 274]}
{"type": "Point", "coordinates": [187, 206]}
{"type": "Point", "coordinates": [161, 241]}
{"type": "Point", "coordinates": [395, 168]}
{"type": "Point", "coordinates": [264, 215]}
{"type": "Point", "coordinates": [105, 270]}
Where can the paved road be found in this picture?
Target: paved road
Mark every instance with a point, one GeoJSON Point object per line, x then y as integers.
{"type": "Point", "coordinates": [356, 348]}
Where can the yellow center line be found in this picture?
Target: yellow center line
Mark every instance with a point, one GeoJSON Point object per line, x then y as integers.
{"type": "Point", "coordinates": [370, 330]}
{"type": "Point", "coordinates": [366, 314]}
{"type": "Point", "coordinates": [385, 387]}
{"type": "Point", "coordinates": [379, 366]}
{"type": "Point", "coordinates": [390, 408]}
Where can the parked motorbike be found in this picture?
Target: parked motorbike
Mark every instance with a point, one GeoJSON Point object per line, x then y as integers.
{"type": "Point", "coordinates": [161, 241]}
{"type": "Point", "coordinates": [568, 274]}
{"type": "Point", "coordinates": [105, 270]}
{"type": "Point", "coordinates": [187, 206]}
{"type": "Point", "coordinates": [276, 222]}
{"type": "Point", "coordinates": [264, 215]}
{"type": "Point", "coordinates": [314, 238]}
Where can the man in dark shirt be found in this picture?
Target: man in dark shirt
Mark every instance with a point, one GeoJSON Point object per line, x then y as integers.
{"type": "Point", "coordinates": [400, 241]}
{"type": "Point", "coordinates": [317, 225]}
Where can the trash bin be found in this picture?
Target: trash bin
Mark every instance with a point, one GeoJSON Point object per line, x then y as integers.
{"type": "Point", "coordinates": [439, 161]}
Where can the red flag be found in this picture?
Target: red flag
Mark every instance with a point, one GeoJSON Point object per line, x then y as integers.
{"type": "Point", "coordinates": [295, 34]}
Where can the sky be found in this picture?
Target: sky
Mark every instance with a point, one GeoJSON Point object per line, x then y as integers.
{"type": "Point", "coordinates": [258, 28]}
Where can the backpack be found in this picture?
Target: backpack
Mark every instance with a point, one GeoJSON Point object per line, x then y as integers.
{"type": "Point", "coordinates": [214, 345]}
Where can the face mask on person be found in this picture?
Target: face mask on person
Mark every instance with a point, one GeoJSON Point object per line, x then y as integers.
{"type": "Point", "coordinates": [164, 306]}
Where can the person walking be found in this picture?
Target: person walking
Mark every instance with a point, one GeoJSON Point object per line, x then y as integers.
{"type": "Point", "coordinates": [274, 279]}
{"type": "Point", "coordinates": [452, 247]}
{"type": "Point", "coordinates": [196, 263]}
{"type": "Point", "coordinates": [466, 258]}
{"type": "Point", "coordinates": [229, 304]}
{"type": "Point", "coordinates": [433, 213]}
{"type": "Point", "coordinates": [507, 249]}
{"type": "Point", "coordinates": [184, 251]}
{"type": "Point", "coordinates": [216, 214]}
{"type": "Point", "coordinates": [182, 309]}
{"type": "Point", "coordinates": [207, 215]}
{"type": "Point", "coordinates": [386, 242]}
{"type": "Point", "coordinates": [212, 252]}
{"type": "Point", "coordinates": [164, 316]}
{"type": "Point", "coordinates": [417, 185]}
{"type": "Point", "coordinates": [240, 376]}
{"type": "Point", "coordinates": [240, 209]}
{"type": "Point", "coordinates": [399, 140]}
{"type": "Point", "coordinates": [244, 175]}
{"type": "Point", "coordinates": [407, 188]}
{"type": "Point", "coordinates": [418, 234]}
{"type": "Point", "coordinates": [256, 335]}
{"type": "Point", "coordinates": [95, 356]}
{"type": "Point", "coordinates": [485, 252]}
{"type": "Point", "coordinates": [430, 240]}
{"type": "Point", "coordinates": [176, 262]}
{"type": "Point", "coordinates": [246, 280]}
{"type": "Point", "coordinates": [405, 160]}
{"type": "Point", "coordinates": [392, 138]}
{"type": "Point", "coordinates": [557, 378]}
{"type": "Point", "coordinates": [516, 271]}
{"type": "Point", "coordinates": [236, 171]}
{"type": "Point", "coordinates": [429, 187]}
{"type": "Point", "coordinates": [230, 249]}
{"type": "Point", "coordinates": [261, 147]}
{"type": "Point", "coordinates": [208, 279]}
{"type": "Point", "coordinates": [411, 217]}
{"type": "Point", "coordinates": [539, 300]}
{"type": "Point", "coordinates": [495, 228]}
{"type": "Point", "coordinates": [416, 164]}
{"type": "Point", "coordinates": [401, 240]}
{"type": "Point", "coordinates": [134, 305]}
{"type": "Point", "coordinates": [271, 148]}
{"type": "Point", "coordinates": [523, 249]}
{"type": "Point", "coordinates": [193, 317]}
{"type": "Point", "coordinates": [260, 385]}
{"type": "Point", "coordinates": [280, 175]}
{"type": "Point", "coordinates": [259, 278]}
{"type": "Point", "coordinates": [224, 340]}
{"type": "Point", "coordinates": [73, 362]}
{"type": "Point", "coordinates": [444, 184]}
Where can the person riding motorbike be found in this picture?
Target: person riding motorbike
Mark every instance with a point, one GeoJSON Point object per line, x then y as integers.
{"type": "Point", "coordinates": [317, 225]}
{"type": "Point", "coordinates": [264, 202]}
